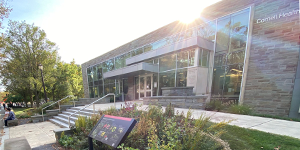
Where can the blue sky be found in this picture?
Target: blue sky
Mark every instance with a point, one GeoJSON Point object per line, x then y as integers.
{"type": "Point", "coordinates": [86, 29]}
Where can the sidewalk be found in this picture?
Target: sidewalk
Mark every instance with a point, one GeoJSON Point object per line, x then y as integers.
{"type": "Point", "coordinates": [275, 126]}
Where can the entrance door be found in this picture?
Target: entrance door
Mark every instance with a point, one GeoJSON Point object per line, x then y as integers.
{"type": "Point", "coordinates": [145, 86]}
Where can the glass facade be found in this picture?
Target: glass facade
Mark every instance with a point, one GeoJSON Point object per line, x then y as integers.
{"type": "Point", "coordinates": [232, 32]}
{"type": "Point", "coordinates": [230, 36]}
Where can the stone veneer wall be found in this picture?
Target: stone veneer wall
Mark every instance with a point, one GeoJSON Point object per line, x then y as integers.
{"type": "Point", "coordinates": [274, 53]}
{"type": "Point", "coordinates": [273, 59]}
{"type": "Point", "coordinates": [177, 91]}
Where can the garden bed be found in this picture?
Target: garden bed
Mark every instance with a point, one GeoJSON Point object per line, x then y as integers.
{"type": "Point", "coordinates": [165, 130]}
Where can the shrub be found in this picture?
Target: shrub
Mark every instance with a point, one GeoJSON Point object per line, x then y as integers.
{"type": "Point", "coordinates": [214, 105]}
{"type": "Point", "coordinates": [240, 109]}
{"type": "Point", "coordinates": [155, 130]}
{"type": "Point", "coordinates": [39, 109]}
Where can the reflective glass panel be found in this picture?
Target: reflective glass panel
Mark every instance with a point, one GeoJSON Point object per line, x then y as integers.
{"type": "Point", "coordinates": [119, 62]}
{"type": "Point", "coordinates": [155, 85]}
{"type": "Point", "coordinates": [106, 89]}
{"type": "Point", "coordinates": [108, 65]}
{"type": "Point", "coordinates": [96, 90]}
{"type": "Point", "coordinates": [90, 78]}
{"type": "Point", "coordinates": [218, 81]}
{"type": "Point", "coordinates": [147, 48]}
{"type": "Point", "coordinates": [167, 79]}
{"type": "Point", "coordinates": [99, 72]}
{"type": "Point", "coordinates": [239, 30]}
{"type": "Point", "coordinates": [192, 57]}
{"type": "Point", "coordinates": [148, 83]}
{"type": "Point", "coordinates": [142, 80]}
{"type": "Point", "coordinates": [167, 63]}
{"type": "Point", "coordinates": [91, 92]}
{"type": "Point", "coordinates": [137, 52]}
{"type": "Point", "coordinates": [223, 35]}
{"type": "Point", "coordinates": [205, 56]}
{"type": "Point", "coordinates": [181, 78]}
{"type": "Point", "coordinates": [207, 30]}
{"type": "Point", "coordinates": [182, 59]}
{"type": "Point", "coordinates": [233, 80]}
{"type": "Point", "coordinates": [100, 87]}
{"type": "Point", "coordinates": [95, 75]}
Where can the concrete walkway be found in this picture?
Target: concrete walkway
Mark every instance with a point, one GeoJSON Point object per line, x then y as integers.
{"type": "Point", "coordinates": [275, 126]}
{"type": "Point", "coordinates": [37, 134]}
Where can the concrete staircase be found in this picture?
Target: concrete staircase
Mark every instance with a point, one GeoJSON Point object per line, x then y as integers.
{"type": "Point", "coordinates": [62, 119]}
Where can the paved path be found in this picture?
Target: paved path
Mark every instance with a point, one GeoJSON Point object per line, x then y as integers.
{"type": "Point", "coordinates": [37, 134]}
{"type": "Point", "coordinates": [1, 128]}
{"type": "Point", "coordinates": [276, 126]}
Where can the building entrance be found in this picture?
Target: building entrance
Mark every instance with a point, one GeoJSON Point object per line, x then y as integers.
{"type": "Point", "coordinates": [145, 86]}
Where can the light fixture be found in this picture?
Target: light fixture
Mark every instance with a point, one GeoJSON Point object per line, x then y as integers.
{"type": "Point", "coordinates": [40, 66]}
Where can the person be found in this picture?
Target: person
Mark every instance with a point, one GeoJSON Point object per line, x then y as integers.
{"type": "Point", "coordinates": [11, 116]}
{"type": "Point", "coordinates": [4, 106]}
{"type": "Point", "coordinates": [6, 114]}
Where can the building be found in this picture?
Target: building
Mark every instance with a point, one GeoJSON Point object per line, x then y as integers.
{"type": "Point", "coordinates": [244, 50]}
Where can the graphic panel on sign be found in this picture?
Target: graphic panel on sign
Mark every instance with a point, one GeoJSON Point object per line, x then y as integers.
{"type": "Point", "coordinates": [112, 130]}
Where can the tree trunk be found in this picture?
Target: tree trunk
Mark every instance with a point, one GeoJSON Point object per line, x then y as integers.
{"type": "Point", "coordinates": [31, 99]}
{"type": "Point", "coordinates": [36, 96]}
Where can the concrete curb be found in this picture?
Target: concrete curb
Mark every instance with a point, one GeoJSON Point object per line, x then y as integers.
{"type": "Point", "coordinates": [4, 137]}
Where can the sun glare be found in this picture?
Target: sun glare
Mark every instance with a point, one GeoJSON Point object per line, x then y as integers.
{"type": "Point", "coordinates": [189, 15]}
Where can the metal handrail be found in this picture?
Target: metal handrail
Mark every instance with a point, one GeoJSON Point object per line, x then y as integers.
{"type": "Point", "coordinates": [93, 106]}
{"type": "Point", "coordinates": [58, 104]}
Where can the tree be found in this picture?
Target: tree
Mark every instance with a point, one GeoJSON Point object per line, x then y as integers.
{"type": "Point", "coordinates": [26, 46]}
{"type": "Point", "coordinates": [68, 80]}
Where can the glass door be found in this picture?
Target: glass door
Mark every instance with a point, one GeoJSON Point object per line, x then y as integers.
{"type": "Point", "coordinates": [145, 85]}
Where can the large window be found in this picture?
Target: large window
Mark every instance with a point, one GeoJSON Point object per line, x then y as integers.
{"type": "Point", "coordinates": [167, 79]}
{"type": "Point", "coordinates": [108, 65]}
{"type": "Point", "coordinates": [181, 77]}
{"type": "Point", "coordinates": [232, 32]}
{"type": "Point", "coordinates": [182, 59]}
{"type": "Point", "coordinates": [167, 62]}
{"type": "Point", "coordinates": [203, 58]}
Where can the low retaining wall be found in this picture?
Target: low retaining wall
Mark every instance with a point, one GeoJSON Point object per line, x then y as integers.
{"type": "Point", "coordinates": [194, 102]}
{"type": "Point", "coordinates": [177, 91]}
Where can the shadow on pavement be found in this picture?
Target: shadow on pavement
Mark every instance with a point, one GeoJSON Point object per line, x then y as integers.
{"type": "Point", "coordinates": [51, 146]}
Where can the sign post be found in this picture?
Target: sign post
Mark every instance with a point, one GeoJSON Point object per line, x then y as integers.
{"type": "Point", "coordinates": [111, 130]}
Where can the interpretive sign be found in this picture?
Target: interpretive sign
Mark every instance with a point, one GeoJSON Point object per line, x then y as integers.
{"type": "Point", "coordinates": [112, 130]}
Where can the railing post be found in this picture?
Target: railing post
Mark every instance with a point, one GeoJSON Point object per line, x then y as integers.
{"type": "Point", "coordinates": [94, 108]}
{"type": "Point", "coordinates": [69, 121]}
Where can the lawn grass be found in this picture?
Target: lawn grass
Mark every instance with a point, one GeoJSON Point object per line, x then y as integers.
{"type": "Point", "coordinates": [21, 112]}
{"type": "Point", "coordinates": [248, 139]}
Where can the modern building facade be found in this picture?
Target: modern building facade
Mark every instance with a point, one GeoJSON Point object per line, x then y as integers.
{"type": "Point", "coordinates": [244, 50]}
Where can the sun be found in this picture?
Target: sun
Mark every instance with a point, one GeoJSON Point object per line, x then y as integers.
{"type": "Point", "coordinates": [189, 15]}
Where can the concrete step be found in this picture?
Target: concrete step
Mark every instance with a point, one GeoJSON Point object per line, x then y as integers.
{"type": "Point", "coordinates": [81, 112]}
{"type": "Point", "coordinates": [86, 109]}
{"type": "Point", "coordinates": [59, 123]}
{"type": "Point", "coordinates": [75, 115]}
{"type": "Point", "coordinates": [67, 116]}
{"type": "Point", "coordinates": [64, 120]}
